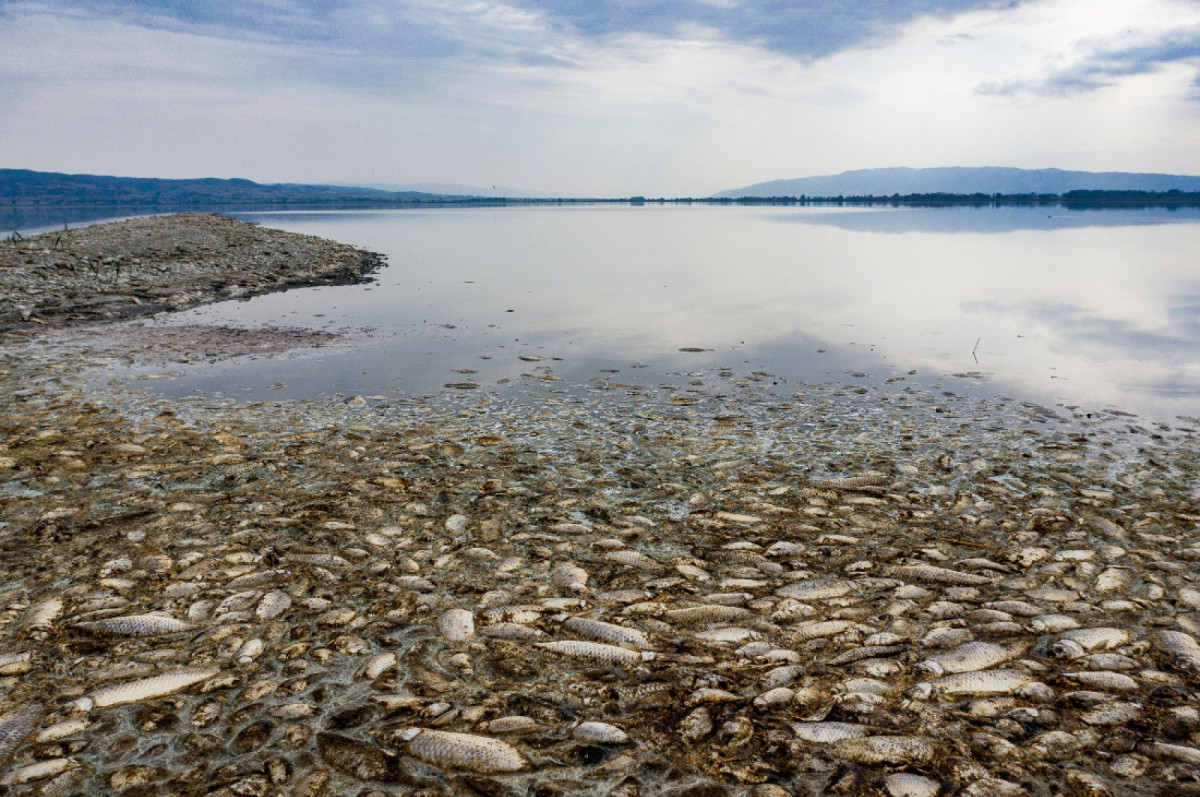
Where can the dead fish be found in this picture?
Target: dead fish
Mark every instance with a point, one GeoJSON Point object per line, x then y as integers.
{"type": "Point", "coordinates": [899, 750]}
{"type": "Point", "coordinates": [15, 663]}
{"type": "Point", "coordinates": [15, 725]}
{"type": "Point", "coordinates": [1180, 649]}
{"type": "Point", "coordinates": [817, 589]}
{"type": "Point", "coordinates": [515, 632]}
{"type": "Point", "coordinates": [292, 711]}
{"type": "Point", "coordinates": [152, 687]}
{"type": "Point", "coordinates": [727, 635]}
{"type": "Point", "coordinates": [1177, 752]}
{"type": "Point", "coordinates": [319, 559]}
{"type": "Point", "coordinates": [607, 632]}
{"type": "Point", "coordinates": [250, 650]}
{"type": "Point", "coordinates": [596, 652]}
{"type": "Point", "coordinates": [41, 617]}
{"type": "Point", "coordinates": [1075, 643]}
{"type": "Point", "coordinates": [378, 664]}
{"type": "Point", "coordinates": [816, 630]}
{"type": "Point", "coordinates": [635, 559]}
{"type": "Point", "coordinates": [861, 483]}
{"type": "Point", "coordinates": [38, 771]}
{"type": "Point", "coordinates": [599, 733]}
{"type": "Point", "coordinates": [1103, 679]}
{"type": "Point", "coordinates": [514, 724]}
{"type": "Point", "coordinates": [907, 784]}
{"type": "Point", "coordinates": [569, 576]}
{"type": "Point", "coordinates": [273, 604]}
{"type": "Point", "coordinates": [865, 652]}
{"type": "Point", "coordinates": [135, 625]}
{"type": "Point", "coordinates": [1114, 580]}
{"type": "Point", "coordinates": [456, 625]}
{"type": "Point", "coordinates": [447, 750]}
{"type": "Point", "coordinates": [968, 657]}
{"type": "Point", "coordinates": [931, 574]}
{"type": "Point", "coordinates": [828, 732]}
{"type": "Point", "coordinates": [1113, 713]}
{"type": "Point", "coordinates": [967, 684]}
{"type": "Point", "coordinates": [61, 730]}
{"type": "Point", "coordinates": [706, 615]}
{"type": "Point", "coordinates": [779, 696]}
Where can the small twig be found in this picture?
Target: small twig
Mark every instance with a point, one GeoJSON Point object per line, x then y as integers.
{"type": "Point", "coordinates": [976, 347]}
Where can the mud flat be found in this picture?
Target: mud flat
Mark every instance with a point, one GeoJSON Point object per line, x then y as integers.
{"type": "Point", "coordinates": [146, 265]}
{"type": "Point", "coordinates": [611, 591]}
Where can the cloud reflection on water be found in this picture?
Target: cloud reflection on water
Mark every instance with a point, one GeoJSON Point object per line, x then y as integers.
{"type": "Point", "coordinates": [1087, 312]}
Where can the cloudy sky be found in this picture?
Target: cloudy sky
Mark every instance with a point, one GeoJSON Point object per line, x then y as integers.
{"type": "Point", "coordinates": [595, 97]}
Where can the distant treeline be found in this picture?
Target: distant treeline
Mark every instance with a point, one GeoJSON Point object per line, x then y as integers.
{"type": "Point", "coordinates": [45, 190]}
{"type": "Point", "coordinates": [25, 187]}
{"type": "Point", "coordinates": [1071, 199]}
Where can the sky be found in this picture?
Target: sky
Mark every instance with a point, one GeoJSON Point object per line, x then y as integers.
{"type": "Point", "coordinates": [595, 97]}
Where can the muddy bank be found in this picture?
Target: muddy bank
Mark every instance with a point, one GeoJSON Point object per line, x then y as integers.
{"type": "Point", "coordinates": [147, 265]}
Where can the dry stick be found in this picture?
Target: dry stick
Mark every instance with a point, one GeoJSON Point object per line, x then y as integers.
{"type": "Point", "coordinates": [976, 347]}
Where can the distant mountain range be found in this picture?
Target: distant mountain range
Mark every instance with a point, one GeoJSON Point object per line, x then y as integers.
{"type": "Point", "coordinates": [22, 186]}
{"type": "Point", "coordinates": [963, 180]}
{"type": "Point", "coordinates": [458, 190]}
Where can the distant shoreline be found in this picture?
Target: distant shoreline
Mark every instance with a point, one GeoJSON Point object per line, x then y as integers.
{"type": "Point", "coordinates": [1071, 198]}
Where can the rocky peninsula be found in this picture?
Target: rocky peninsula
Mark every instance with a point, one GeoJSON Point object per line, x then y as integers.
{"type": "Point", "coordinates": [147, 265]}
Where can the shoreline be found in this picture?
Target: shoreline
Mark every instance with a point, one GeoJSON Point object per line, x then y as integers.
{"type": "Point", "coordinates": [125, 269]}
{"type": "Point", "coordinates": [792, 563]}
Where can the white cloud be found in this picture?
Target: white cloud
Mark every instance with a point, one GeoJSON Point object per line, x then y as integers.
{"type": "Point", "coordinates": [477, 91]}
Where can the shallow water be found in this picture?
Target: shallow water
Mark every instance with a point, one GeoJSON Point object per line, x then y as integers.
{"type": "Point", "coordinates": [1097, 309]}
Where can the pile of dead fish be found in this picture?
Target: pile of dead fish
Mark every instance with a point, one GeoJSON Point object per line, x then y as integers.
{"type": "Point", "coordinates": [603, 595]}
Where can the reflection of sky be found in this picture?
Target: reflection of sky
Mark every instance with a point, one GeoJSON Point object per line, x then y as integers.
{"type": "Point", "coordinates": [978, 219]}
{"type": "Point", "coordinates": [1094, 315]}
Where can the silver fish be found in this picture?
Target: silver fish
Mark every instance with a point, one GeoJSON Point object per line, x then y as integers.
{"type": "Point", "coordinates": [152, 687]}
{"type": "Point", "coordinates": [15, 725]}
{"type": "Point", "coordinates": [817, 589]}
{"type": "Point", "coordinates": [136, 625]}
{"type": "Point", "coordinates": [456, 625]}
{"type": "Point", "coordinates": [41, 617]}
{"type": "Point", "coordinates": [607, 632]}
{"type": "Point", "coordinates": [599, 733]}
{"type": "Point", "coordinates": [705, 615]}
{"type": "Point", "coordinates": [986, 682]}
{"type": "Point", "coordinates": [883, 750]}
{"type": "Point", "coordinates": [273, 604]}
{"type": "Point", "coordinates": [38, 771]}
{"type": "Point", "coordinates": [595, 652]}
{"type": "Point", "coordinates": [1180, 649]}
{"type": "Point", "coordinates": [966, 658]}
{"type": "Point", "coordinates": [463, 751]}
{"type": "Point", "coordinates": [931, 574]}
{"type": "Point", "coordinates": [15, 663]}
{"type": "Point", "coordinates": [827, 732]}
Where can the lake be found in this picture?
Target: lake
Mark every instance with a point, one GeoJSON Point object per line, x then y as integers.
{"type": "Point", "coordinates": [1097, 309]}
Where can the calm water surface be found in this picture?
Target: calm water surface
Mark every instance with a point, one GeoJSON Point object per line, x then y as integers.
{"type": "Point", "coordinates": [1098, 309]}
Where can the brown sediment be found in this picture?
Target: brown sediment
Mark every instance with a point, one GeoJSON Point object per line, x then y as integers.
{"type": "Point", "coordinates": [146, 265]}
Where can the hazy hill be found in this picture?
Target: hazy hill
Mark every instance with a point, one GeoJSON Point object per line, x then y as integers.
{"type": "Point", "coordinates": [457, 189]}
{"type": "Point", "coordinates": [22, 186]}
{"type": "Point", "coordinates": [963, 180]}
